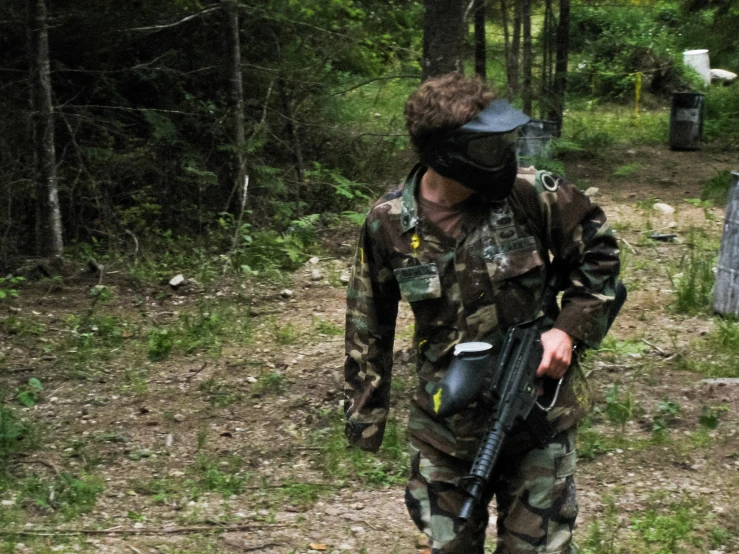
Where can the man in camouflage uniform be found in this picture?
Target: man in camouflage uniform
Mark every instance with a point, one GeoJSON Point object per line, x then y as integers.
{"type": "Point", "coordinates": [471, 254]}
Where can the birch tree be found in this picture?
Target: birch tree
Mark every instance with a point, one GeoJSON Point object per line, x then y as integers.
{"type": "Point", "coordinates": [49, 241]}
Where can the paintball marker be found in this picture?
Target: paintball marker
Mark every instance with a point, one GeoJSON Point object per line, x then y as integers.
{"type": "Point", "coordinates": [514, 387]}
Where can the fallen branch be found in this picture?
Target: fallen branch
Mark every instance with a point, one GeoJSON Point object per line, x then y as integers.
{"type": "Point", "coordinates": [129, 531]}
{"type": "Point", "coordinates": [633, 250]}
{"type": "Point", "coordinates": [657, 349]}
{"type": "Point", "coordinates": [41, 462]}
{"type": "Point", "coordinates": [195, 372]}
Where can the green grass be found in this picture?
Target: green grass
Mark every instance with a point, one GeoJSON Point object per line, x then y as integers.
{"type": "Point", "coordinates": [324, 327]}
{"type": "Point", "coordinates": [620, 407]}
{"type": "Point", "coordinates": [220, 393]}
{"type": "Point", "coordinates": [626, 170]}
{"type": "Point", "coordinates": [595, 129]}
{"type": "Point", "coordinates": [715, 354]}
{"type": "Point", "coordinates": [285, 334]}
{"type": "Point", "coordinates": [388, 467]}
{"type": "Point", "coordinates": [16, 435]}
{"type": "Point", "coordinates": [203, 330]}
{"type": "Point", "coordinates": [592, 443]}
{"type": "Point", "coordinates": [223, 476]}
{"type": "Point", "coordinates": [65, 495]}
{"type": "Point", "coordinates": [301, 495]}
{"type": "Point", "coordinates": [676, 526]}
{"type": "Point", "coordinates": [22, 327]}
{"type": "Point", "coordinates": [270, 382]}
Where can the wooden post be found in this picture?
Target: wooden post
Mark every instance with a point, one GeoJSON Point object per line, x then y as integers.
{"type": "Point", "coordinates": [726, 294]}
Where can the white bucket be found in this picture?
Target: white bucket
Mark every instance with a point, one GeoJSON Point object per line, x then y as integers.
{"type": "Point", "coordinates": [698, 60]}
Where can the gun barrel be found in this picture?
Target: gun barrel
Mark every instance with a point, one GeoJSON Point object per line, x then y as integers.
{"type": "Point", "coordinates": [482, 469]}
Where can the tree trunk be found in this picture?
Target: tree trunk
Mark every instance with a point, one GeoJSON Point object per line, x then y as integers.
{"type": "Point", "coordinates": [49, 242]}
{"type": "Point", "coordinates": [527, 55]}
{"type": "Point", "coordinates": [480, 40]}
{"type": "Point", "coordinates": [560, 75]}
{"type": "Point", "coordinates": [506, 41]}
{"type": "Point", "coordinates": [233, 66]}
{"type": "Point", "coordinates": [516, 46]}
{"type": "Point", "coordinates": [543, 89]}
{"type": "Point", "coordinates": [292, 129]}
{"type": "Point", "coordinates": [443, 37]}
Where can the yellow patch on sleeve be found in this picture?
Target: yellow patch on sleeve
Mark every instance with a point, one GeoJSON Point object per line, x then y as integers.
{"type": "Point", "coordinates": [415, 241]}
{"type": "Point", "coordinates": [437, 401]}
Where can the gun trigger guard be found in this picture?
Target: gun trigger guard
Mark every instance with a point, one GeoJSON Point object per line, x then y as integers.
{"type": "Point", "coordinates": [554, 398]}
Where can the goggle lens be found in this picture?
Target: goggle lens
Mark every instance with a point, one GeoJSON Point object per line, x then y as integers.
{"type": "Point", "coordinates": [491, 150]}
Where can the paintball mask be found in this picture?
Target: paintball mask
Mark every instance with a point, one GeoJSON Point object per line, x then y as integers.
{"type": "Point", "coordinates": [480, 154]}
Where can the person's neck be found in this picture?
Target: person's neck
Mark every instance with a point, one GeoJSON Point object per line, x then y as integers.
{"type": "Point", "coordinates": [442, 190]}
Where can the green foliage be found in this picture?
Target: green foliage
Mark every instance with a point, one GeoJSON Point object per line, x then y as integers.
{"type": "Point", "coordinates": [30, 395]}
{"type": "Point", "coordinates": [721, 120]}
{"type": "Point", "coordinates": [545, 162]}
{"type": "Point", "coordinates": [667, 413]}
{"type": "Point", "coordinates": [201, 331]}
{"type": "Point", "coordinates": [664, 527]}
{"type": "Point", "coordinates": [388, 467]}
{"type": "Point", "coordinates": [356, 218]}
{"type": "Point", "coordinates": [716, 189]}
{"type": "Point", "coordinates": [705, 204]}
{"type": "Point", "coordinates": [16, 435]}
{"type": "Point", "coordinates": [101, 294]}
{"type": "Point", "coordinates": [221, 394]}
{"type": "Point", "coordinates": [664, 530]}
{"type": "Point", "coordinates": [271, 382]}
{"type": "Point", "coordinates": [591, 128]}
{"type": "Point", "coordinates": [625, 170]}
{"type": "Point", "coordinates": [611, 348]}
{"type": "Point", "coordinates": [224, 477]}
{"type": "Point", "coordinates": [715, 353]}
{"type": "Point", "coordinates": [727, 334]}
{"type": "Point", "coordinates": [620, 408]}
{"type": "Point", "coordinates": [710, 416]}
{"type": "Point", "coordinates": [602, 533]}
{"type": "Point", "coordinates": [301, 495]}
{"type": "Point", "coordinates": [22, 327]}
{"type": "Point", "coordinates": [93, 332]}
{"type": "Point", "coordinates": [269, 253]}
{"type": "Point", "coordinates": [611, 44]}
{"type": "Point", "coordinates": [160, 344]}
{"type": "Point", "coordinates": [693, 284]}
{"type": "Point", "coordinates": [9, 287]}
{"type": "Point", "coordinates": [324, 327]}
{"type": "Point", "coordinates": [285, 333]}
{"type": "Point", "coordinates": [67, 495]}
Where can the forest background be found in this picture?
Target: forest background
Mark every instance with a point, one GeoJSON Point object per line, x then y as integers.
{"type": "Point", "coordinates": [148, 158]}
{"type": "Point", "coordinates": [171, 318]}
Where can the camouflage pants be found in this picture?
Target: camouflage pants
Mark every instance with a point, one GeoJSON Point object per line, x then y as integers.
{"type": "Point", "coordinates": [534, 491]}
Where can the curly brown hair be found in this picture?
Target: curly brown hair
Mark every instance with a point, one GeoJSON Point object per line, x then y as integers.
{"type": "Point", "coordinates": [445, 102]}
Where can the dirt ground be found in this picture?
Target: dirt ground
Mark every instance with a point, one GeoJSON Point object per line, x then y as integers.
{"type": "Point", "coordinates": [232, 444]}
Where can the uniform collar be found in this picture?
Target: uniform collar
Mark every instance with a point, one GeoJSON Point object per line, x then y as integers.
{"type": "Point", "coordinates": [409, 207]}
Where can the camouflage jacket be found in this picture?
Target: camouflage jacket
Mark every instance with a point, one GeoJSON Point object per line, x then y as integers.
{"type": "Point", "coordinates": [470, 288]}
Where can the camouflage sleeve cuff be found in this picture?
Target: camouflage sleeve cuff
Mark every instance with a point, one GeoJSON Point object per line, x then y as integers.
{"type": "Point", "coordinates": [366, 436]}
{"type": "Point", "coordinates": [580, 326]}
